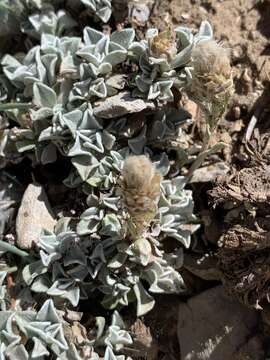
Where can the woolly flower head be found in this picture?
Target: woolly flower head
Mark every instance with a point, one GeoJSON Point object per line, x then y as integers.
{"type": "Point", "coordinates": [163, 45]}
{"type": "Point", "coordinates": [141, 191]}
{"type": "Point", "coordinates": [212, 76]}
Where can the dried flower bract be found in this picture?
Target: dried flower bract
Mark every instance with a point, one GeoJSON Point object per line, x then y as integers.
{"type": "Point", "coordinates": [164, 45]}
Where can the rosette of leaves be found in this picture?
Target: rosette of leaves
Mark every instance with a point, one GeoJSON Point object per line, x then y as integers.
{"type": "Point", "coordinates": [100, 8]}
{"type": "Point", "coordinates": [59, 77]}
{"type": "Point", "coordinates": [48, 21]}
{"type": "Point", "coordinates": [37, 16]}
{"type": "Point", "coordinates": [99, 54]}
{"type": "Point", "coordinates": [36, 335]}
{"type": "Point", "coordinates": [25, 334]}
{"type": "Point", "coordinates": [98, 257]}
{"type": "Point", "coordinates": [176, 211]}
{"type": "Point", "coordinates": [164, 60]}
{"type": "Point", "coordinates": [115, 337]}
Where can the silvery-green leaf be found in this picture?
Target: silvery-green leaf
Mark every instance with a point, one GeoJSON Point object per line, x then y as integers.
{"type": "Point", "coordinates": [124, 37]}
{"type": "Point", "coordinates": [183, 57]}
{"type": "Point", "coordinates": [89, 221]}
{"type": "Point", "coordinates": [49, 154]}
{"type": "Point", "coordinates": [48, 312]}
{"type": "Point", "coordinates": [101, 8]}
{"type": "Point", "coordinates": [100, 323]}
{"type": "Point", "coordinates": [142, 250]}
{"type": "Point", "coordinates": [138, 143]}
{"type": "Point", "coordinates": [31, 271]}
{"type": "Point", "coordinates": [39, 349]}
{"type": "Point", "coordinates": [104, 13]}
{"type": "Point", "coordinates": [205, 31]}
{"type": "Point", "coordinates": [108, 140]}
{"type": "Point", "coordinates": [117, 320]}
{"type": "Point", "coordinates": [163, 164]}
{"type": "Point", "coordinates": [84, 166]}
{"type": "Point", "coordinates": [17, 352]}
{"type": "Point", "coordinates": [117, 338]}
{"type": "Point", "coordinates": [41, 284]}
{"type": "Point", "coordinates": [91, 36]}
{"type": "Point", "coordinates": [98, 88]}
{"type": "Point", "coordinates": [44, 96]}
{"type": "Point", "coordinates": [116, 57]}
{"type": "Point", "coordinates": [145, 302]}
{"type": "Point", "coordinates": [110, 225]}
{"type": "Point", "coordinates": [117, 261]}
{"type": "Point", "coordinates": [136, 49]}
{"type": "Point", "coordinates": [184, 36]}
{"type": "Point", "coordinates": [41, 114]}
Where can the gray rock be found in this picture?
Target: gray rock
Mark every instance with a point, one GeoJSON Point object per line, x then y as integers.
{"type": "Point", "coordinates": [210, 173]}
{"type": "Point", "coordinates": [34, 214]}
{"type": "Point", "coordinates": [212, 326]}
{"type": "Point", "coordinates": [139, 11]}
{"type": "Point", "coordinates": [120, 105]}
{"type": "Point", "coordinates": [203, 267]}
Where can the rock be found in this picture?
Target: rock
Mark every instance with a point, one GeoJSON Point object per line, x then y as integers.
{"type": "Point", "coordinates": [210, 173]}
{"type": "Point", "coordinates": [252, 350]}
{"type": "Point", "coordinates": [212, 326]}
{"type": "Point", "coordinates": [34, 215]}
{"type": "Point", "coordinates": [203, 267]}
{"type": "Point", "coordinates": [120, 105]}
{"type": "Point", "coordinates": [139, 11]}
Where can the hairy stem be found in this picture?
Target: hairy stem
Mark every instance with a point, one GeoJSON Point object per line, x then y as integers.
{"type": "Point", "coordinates": [12, 106]}
{"type": "Point", "coordinates": [9, 270]}
{"type": "Point", "coordinates": [4, 246]}
{"type": "Point", "coordinates": [202, 155]}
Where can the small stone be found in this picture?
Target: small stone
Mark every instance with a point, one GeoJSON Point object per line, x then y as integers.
{"type": "Point", "coordinates": [213, 326]}
{"type": "Point", "coordinates": [138, 12]}
{"type": "Point", "coordinates": [210, 173]}
{"type": "Point", "coordinates": [202, 267]}
{"type": "Point", "coordinates": [185, 16]}
{"type": "Point", "coordinates": [120, 105]}
{"type": "Point", "coordinates": [34, 215]}
{"type": "Point", "coordinates": [236, 112]}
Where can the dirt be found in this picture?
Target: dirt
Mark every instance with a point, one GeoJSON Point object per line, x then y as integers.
{"type": "Point", "coordinates": [236, 211]}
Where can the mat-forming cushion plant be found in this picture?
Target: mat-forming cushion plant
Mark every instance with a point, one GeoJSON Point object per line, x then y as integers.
{"type": "Point", "coordinates": [104, 102]}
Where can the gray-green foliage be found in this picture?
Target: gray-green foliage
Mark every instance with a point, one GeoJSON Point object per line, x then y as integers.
{"type": "Point", "coordinates": [33, 334]}
{"type": "Point", "coordinates": [96, 257]}
{"type": "Point", "coordinates": [63, 78]}
{"type": "Point", "coordinates": [160, 72]}
{"type": "Point", "coordinates": [35, 17]}
{"type": "Point", "coordinates": [53, 93]}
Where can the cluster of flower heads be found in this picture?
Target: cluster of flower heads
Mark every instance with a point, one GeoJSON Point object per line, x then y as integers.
{"type": "Point", "coordinates": [76, 97]}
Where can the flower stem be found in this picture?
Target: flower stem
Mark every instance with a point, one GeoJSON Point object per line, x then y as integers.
{"type": "Point", "coordinates": [12, 106]}
{"type": "Point", "coordinates": [9, 270]}
{"type": "Point", "coordinates": [4, 246]}
{"type": "Point", "coordinates": [202, 155]}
